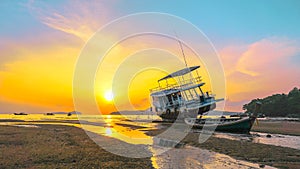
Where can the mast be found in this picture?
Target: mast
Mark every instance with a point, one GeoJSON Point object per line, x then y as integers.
{"type": "Point", "coordinates": [181, 50]}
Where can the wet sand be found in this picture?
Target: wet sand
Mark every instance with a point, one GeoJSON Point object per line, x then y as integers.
{"type": "Point", "coordinates": [57, 146]}
{"type": "Point", "coordinates": [276, 156]}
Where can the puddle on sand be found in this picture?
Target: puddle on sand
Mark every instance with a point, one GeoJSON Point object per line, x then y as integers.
{"type": "Point", "coordinates": [277, 140]}
{"type": "Point", "coordinates": [27, 125]}
{"type": "Point", "coordinates": [257, 137]}
{"type": "Point", "coordinates": [192, 157]}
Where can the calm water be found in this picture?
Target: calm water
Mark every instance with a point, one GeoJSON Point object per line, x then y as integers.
{"type": "Point", "coordinates": [132, 130]}
{"type": "Point", "coordinates": [257, 137]}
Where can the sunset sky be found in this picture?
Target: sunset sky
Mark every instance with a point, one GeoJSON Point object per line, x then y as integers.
{"type": "Point", "coordinates": [258, 43]}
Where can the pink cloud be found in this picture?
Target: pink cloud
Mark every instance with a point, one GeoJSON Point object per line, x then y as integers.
{"type": "Point", "coordinates": [267, 54]}
{"type": "Point", "coordinates": [260, 69]}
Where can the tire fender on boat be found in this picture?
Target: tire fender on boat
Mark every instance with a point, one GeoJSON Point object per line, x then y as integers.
{"type": "Point", "coordinates": [168, 111]}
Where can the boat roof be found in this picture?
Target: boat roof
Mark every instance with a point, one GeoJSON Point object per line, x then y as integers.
{"type": "Point", "coordinates": [164, 92]}
{"type": "Point", "coordinates": [192, 86]}
{"type": "Point", "coordinates": [180, 72]}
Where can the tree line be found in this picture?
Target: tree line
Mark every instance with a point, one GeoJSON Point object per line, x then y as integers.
{"type": "Point", "coordinates": [278, 105]}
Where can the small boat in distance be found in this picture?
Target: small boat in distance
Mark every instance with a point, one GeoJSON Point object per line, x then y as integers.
{"type": "Point", "coordinates": [183, 99]}
{"type": "Point", "coordinates": [21, 113]}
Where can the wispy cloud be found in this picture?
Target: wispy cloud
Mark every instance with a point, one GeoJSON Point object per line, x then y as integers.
{"type": "Point", "coordinates": [79, 18]}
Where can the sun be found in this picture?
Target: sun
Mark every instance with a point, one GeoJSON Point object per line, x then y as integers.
{"type": "Point", "coordinates": [109, 96]}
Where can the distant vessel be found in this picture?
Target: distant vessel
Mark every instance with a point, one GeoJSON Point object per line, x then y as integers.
{"type": "Point", "coordinates": [184, 99]}
{"type": "Point", "coordinates": [22, 113]}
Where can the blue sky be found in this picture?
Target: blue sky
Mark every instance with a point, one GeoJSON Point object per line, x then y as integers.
{"type": "Point", "coordinates": [258, 42]}
{"type": "Point", "coordinates": [233, 19]}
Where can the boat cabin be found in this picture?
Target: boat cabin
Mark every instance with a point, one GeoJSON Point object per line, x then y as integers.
{"type": "Point", "coordinates": [183, 94]}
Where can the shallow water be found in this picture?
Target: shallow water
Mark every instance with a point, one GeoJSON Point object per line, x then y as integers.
{"type": "Point", "coordinates": [257, 137]}
{"type": "Point", "coordinates": [192, 157]}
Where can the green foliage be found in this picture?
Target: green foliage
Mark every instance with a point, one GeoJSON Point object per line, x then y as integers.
{"type": "Point", "coordinates": [278, 105]}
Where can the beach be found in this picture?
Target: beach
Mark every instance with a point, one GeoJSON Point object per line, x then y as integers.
{"type": "Point", "coordinates": [59, 142]}
{"type": "Point", "coordinates": [57, 146]}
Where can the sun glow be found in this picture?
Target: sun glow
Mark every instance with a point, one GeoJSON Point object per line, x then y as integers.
{"type": "Point", "coordinates": [109, 96]}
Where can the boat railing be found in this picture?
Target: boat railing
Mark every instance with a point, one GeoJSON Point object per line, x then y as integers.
{"type": "Point", "coordinates": [180, 85]}
{"type": "Point", "coordinates": [198, 100]}
{"type": "Point", "coordinates": [198, 79]}
{"type": "Point", "coordinates": [209, 94]}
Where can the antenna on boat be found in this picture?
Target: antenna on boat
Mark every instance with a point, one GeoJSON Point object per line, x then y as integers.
{"type": "Point", "coordinates": [181, 49]}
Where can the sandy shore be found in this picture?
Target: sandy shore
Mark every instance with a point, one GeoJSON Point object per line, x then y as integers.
{"type": "Point", "coordinates": [57, 146]}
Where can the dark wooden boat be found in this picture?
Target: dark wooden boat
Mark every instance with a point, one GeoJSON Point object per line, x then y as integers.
{"type": "Point", "coordinates": [233, 125]}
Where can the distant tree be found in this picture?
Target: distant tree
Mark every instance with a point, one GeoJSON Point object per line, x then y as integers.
{"type": "Point", "coordinates": [278, 105]}
{"type": "Point", "coordinates": [294, 102]}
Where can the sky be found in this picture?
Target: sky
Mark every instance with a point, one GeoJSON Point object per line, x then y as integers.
{"type": "Point", "coordinates": [258, 43]}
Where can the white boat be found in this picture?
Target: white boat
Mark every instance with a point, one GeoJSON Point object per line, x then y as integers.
{"type": "Point", "coordinates": [182, 99]}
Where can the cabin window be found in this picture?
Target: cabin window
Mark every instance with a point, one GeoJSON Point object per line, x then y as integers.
{"type": "Point", "coordinates": [194, 94]}
{"type": "Point", "coordinates": [185, 95]}
{"type": "Point", "coordinates": [188, 95]}
{"type": "Point", "coordinates": [156, 101]}
{"type": "Point", "coordinates": [170, 100]}
{"type": "Point", "coordinates": [177, 98]}
{"type": "Point", "coordinates": [165, 101]}
{"type": "Point", "coordinates": [197, 90]}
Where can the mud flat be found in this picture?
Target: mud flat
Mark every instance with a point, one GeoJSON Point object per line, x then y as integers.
{"type": "Point", "coordinates": [57, 146]}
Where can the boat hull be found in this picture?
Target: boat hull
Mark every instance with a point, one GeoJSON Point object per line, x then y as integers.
{"type": "Point", "coordinates": [243, 125]}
